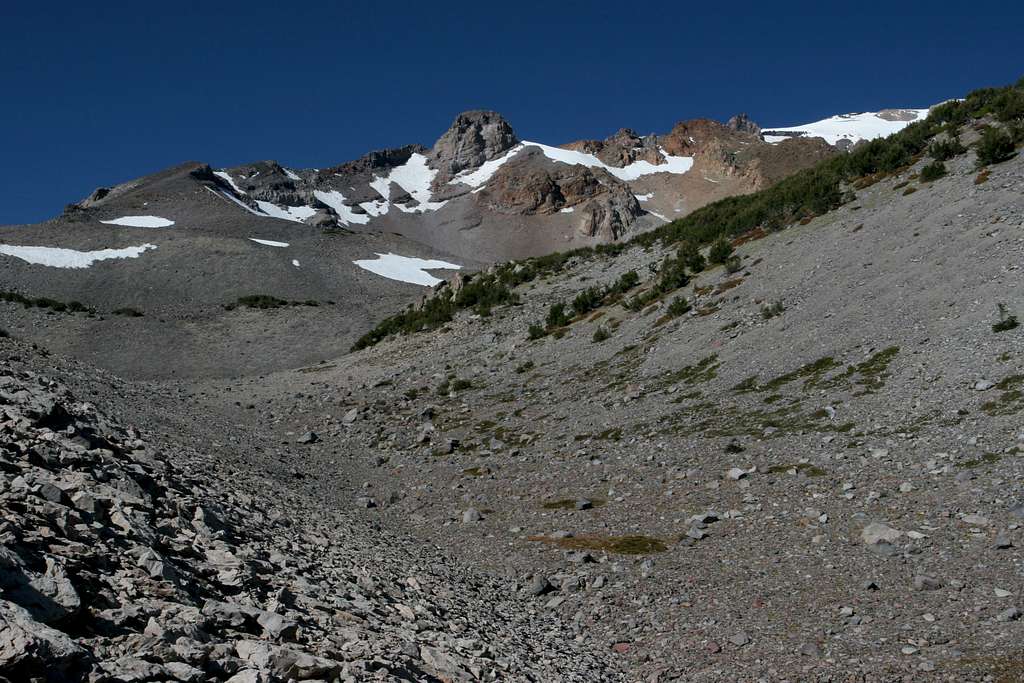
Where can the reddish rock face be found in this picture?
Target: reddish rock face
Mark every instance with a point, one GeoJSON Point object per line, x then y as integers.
{"type": "Point", "coordinates": [602, 205]}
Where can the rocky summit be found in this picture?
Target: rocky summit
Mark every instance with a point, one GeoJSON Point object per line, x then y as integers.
{"type": "Point", "coordinates": [727, 403]}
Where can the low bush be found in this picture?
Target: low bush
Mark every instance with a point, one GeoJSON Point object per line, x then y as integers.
{"type": "Point", "coordinates": [733, 265]}
{"type": "Point", "coordinates": [535, 331]}
{"type": "Point", "coordinates": [771, 310]}
{"type": "Point", "coordinates": [45, 302]}
{"type": "Point", "coordinates": [933, 171]}
{"type": "Point", "coordinates": [601, 334]}
{"type": "Point", "coordinates": [678, 307]}
{"type": "Point", "coordinates": [945, 150]}
{"type": "Point", "coordinates": [128, 312]}
{"type": "Point", "coordinates": [995, 146]}
{"type": "Point", "coordinates": [557, 316]}
{"type": "Point", "coordinates": [720, 251]}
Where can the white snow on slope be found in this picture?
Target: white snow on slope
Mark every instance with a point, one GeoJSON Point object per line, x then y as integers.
{"type": "Point", "coordinates": [637, 169]}
{"type": "Point", "coordinates": [568, 209]}
{"type": "Point", "coordinates": [296, 214]}
{"type": "Point", "coordinates": [295, 262]}
{"type": "Point", "coordinates": [852, 127]}
{"type": "Point", "coordinates": [226, 176]}
{"type": "Point", "coordinates": [479, 176]}
{"type": "Point", "coordinates": [269, 243]}
{"type": "Point", "coordinates": [70, 258]}
{"type": "Point", "coordinates": [235, 199]}
{"type": "Point", "coordinates": [405, 268]}
{"type": "Point", "coordinates": [336, 201]}
{"type": "Point", "coordinates": [141, 222]}
{"type": "Point", "coordinates": [291, 174]}
{"type": "Point", "coordinates": [415, 177]}
{"type": "Point", "coordinates": [643, 197]}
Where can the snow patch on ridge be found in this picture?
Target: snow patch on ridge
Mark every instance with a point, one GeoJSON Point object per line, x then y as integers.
{"type": "Point", "coordinates": [57, 257]}
{"type": "Point", "coordinates": [296, 214]}
{"type": "Point", "coordinates": [673, 164]}
{"type": "Point", "coordinates": [405, 268]}
{"type": "Point", "coordinates": [336, 201]}
{"type": "Point", "coordinates": [291, 174]}
{"type": "Point", "coordinates": [269, 243]}
{"type": "Point", "coordinates": [227, 176]}
{"type": "Point", "coordinates": [415, 177]}
{"type": "Point", "coordinates": [141, 222]}
{"type": "Point", "coordinates": [852, 127]}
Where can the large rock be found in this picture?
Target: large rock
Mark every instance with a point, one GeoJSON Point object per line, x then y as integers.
{"type": "Point", "coordinates": [473, 138]}
{"type": "Point", "coordinates": [29, 648]}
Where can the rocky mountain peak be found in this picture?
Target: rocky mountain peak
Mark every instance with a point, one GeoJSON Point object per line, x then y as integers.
{"type": "Point", "coordinates": [473, 138]}
{"type": "Point", "coordinates": [743, 124]}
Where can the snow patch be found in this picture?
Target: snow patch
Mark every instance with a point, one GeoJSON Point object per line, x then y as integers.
{"type": "Point", "coordinates": [336, 201]}
{"type": "Point", "coordinates": [853, 127]}
{"type": "Point", "coordinates": [415, 177]}
{"type": "Point", "coordinates": [291, 174]}
{"type": "Point", "coordinates": [141, 222]}
{"type": "Point", "coordinates": [236, 200]}
{"type": "Point", "coordinates": [296, 214]}
{"type": "Point", "coordinates": [644, 197]}
{"type": "Point", "coordinates": [568, 209]}
{"type": "Point", "coordinates": [70, 258]}
{"type": "Point", "coordinates": [637, 169]}
{"type": "Point", "coordinates": [486, 170]}
{"type": "Point", "coordinates": [295, 262]}
{"type": "Point", "coordinates": [269, 243]}
{"type": "Point", "coordinates": [226, 176]}
{"type": "Point", "coordinates": [405, 268]}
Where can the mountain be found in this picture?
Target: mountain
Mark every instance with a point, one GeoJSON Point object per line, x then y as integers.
{"type": "Point", "coordinates": [190, 257]}
{"type": "Point", "coordinates": [778, 438]}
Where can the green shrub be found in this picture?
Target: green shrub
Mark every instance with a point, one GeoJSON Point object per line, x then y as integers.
{"type": "Point", "coordinates": [933, 171]}
{"type": "Point", "coordinates": [128, 312]}
{"type": "Point", "coordinates": [527, 366]}
{"type": "Point", "coordinates": [557, 316]}
{"type": "Point", "coordinates": [462, 385]}
{"type": "Point", "coordinates": [45, 302]}
{"type": "Point", "coordinates": [691, 257]}
{"type": "Point", "coordinates": [1007, 321]}
{"type": "Point", "coordinates": [587, 300]}
{"type": "Point", "coordinates": [601, 334]}
{"type": "Point", "coordinates": [995, 146]}
{"type": "Point", "coordinates": [626, 282]}
{"type": "Point", "coordinates": [771, 310]}
{"type": "Point", "coordinates": [733, 264]}
{"type": "Point", "coordinates": [678, 307]}
{"type": "Point", "coordinates": [720, 251]}
{"type": "Point", "coordinates": [946, 149]}
{"type": "Point", "coordinates": [483, 293]}
{"type": "Point", "coordinates": [435, 312]}
{"type": "Point", "coordinates": [535, 331]}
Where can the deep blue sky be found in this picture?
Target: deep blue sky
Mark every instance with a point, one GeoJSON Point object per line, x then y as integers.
{"type": "Point", "coordinates": [99, 93]}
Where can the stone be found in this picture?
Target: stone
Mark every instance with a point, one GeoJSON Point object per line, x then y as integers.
{"type": "Point", "coordinates": [877, 532]}
{"type": "Point", "coordinates": [538, 585]}
{"type": "Point", "coordinates": [308, 438]}
{"type": "Point", "coordinates": [923, 582]}
{"type": "Point", "coordinates": [1011, 614]}
{"type": "Point", "coordinates": [471, 515]}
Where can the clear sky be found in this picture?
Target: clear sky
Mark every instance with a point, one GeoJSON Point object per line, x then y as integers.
{"type": "Point", "coordinates": [99, 93]}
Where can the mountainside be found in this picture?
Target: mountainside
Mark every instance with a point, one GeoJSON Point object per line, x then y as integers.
{"type": "Point", "coordinates": [776, 439]}
{"type": "Point", "coordinates": [180, 266]}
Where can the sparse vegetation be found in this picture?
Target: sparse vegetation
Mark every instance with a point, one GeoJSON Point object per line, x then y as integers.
{"type": "Point", "coordinates": [733, 265]}
{"type": "Point", "coordinates": [128, 312]}
{"type": "Point", "coordinates": [620, 545]}
{"type": "Point", "coordinates": [944, 150]}
{"type": "Point", "coordinates": [720, 251]}
{"type": "Point", "coordinates": [45, 303]}
{"type": "Point", "coordinates": [677, 307]}
{"type": "Point", "coordinates": [265, 301]}
{"type": "Point", "coordinates": [933, 171]}
{"type": "Point", "coordinates": [601, 334]}
{"type": "Point", "coordinates": [995, 146]}
{"type": "Point", "coordinates": [525, 367]}
{"type": "Point", "coordinates": [771, 310]}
